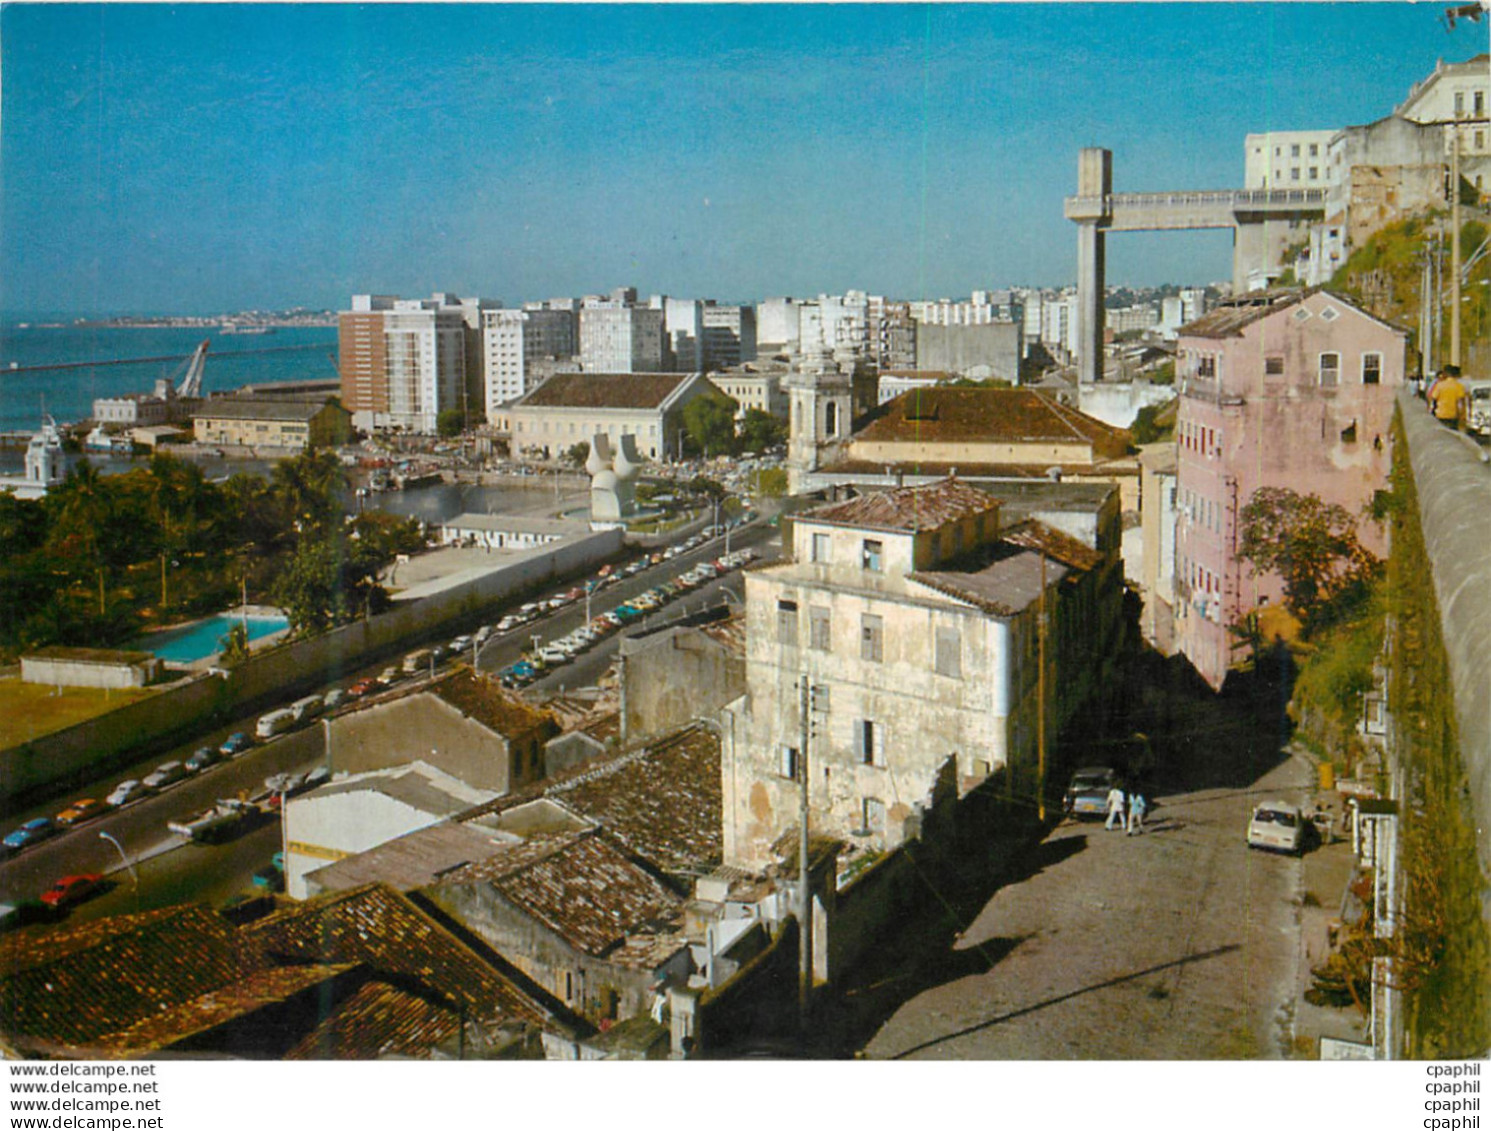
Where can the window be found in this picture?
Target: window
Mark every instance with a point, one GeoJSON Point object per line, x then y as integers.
{"type": "Point", "coordinates": [1294, 151]}
{"type": "Point", "coordinates": [871, 638]}
{"type": "Point", "coordinates": [1273, 365]}
{"type": "Point", "coordinates": [1480, 103]}
{"type": "Point", "coordinates": [820, 630]}
{"type": "Point", "coordinates": [865, 743]}
{"type": "Point", "coordinates": [1314, 150]}
{"type": "Point", "coordinates": [787, 623]}
{"type": "Point", "coordinates": [870, 555]}
{"type": "Point", "coordinates": [948, 651]}
{"type": "Point", "coordinates": [1371, 369]}
{"type": "Point", "coordinates": [820, 547]}
{"type": "Point", "coordinates": [1294, 173]}
{"type": "Point", "coordinates": [1314, 173]}
{"type": "Point", "coordinates": [831, 419]}
{"type": "Point", "coordinates": [1330, 370]}
{"type": "Point", "coordinates": [874, 815]}
{"type": "Point", "coordinates": [1206, 367]}
{"type": "Point", "coordinates": [787, 762]}
{"type": "Point", "coordinates": [1459, 103]}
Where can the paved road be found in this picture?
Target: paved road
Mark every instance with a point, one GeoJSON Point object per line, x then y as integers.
{"type": "Point", "coordinates": [1178, 944]}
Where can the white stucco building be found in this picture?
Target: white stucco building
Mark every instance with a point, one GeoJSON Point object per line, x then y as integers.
{"type": "Point", "coordinates": [621, 339]}
{"type": "Point", "coordinates": [906, 623]}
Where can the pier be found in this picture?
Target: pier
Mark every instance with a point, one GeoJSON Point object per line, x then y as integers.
{"type": "Point", "coordinates": [157, 360]}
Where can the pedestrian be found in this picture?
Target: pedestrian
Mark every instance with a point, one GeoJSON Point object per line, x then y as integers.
{"type": "Point", "coordinates": [1137, 808]}
{"type": "Point", "coordinates": [1115, 807]}
{"type": "Point", "coordinates": [1447, 398]}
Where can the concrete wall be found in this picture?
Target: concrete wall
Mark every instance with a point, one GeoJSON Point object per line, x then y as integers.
{"type": "Point", "coordinates": [671, 677]}
{"type": "Point", "coordinates": [962, 349]}
{"type": "Point", "coordinates": [1454, 495]}
{"type": "Point", "coordinates": [279, 674]}
{"type": "Point", "coordinates": [427, 729]}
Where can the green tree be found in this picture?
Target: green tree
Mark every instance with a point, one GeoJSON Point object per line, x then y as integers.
{"type": "Point", "coordinates": [1313, 547]}
{"type": "Point", "coordinates": [450, 422]}
{"type": "Point", "coordinates": [577, 454]}
{"type": "Point", "coordinates": [1147, 428]}
{"type": "Point", "coordinates": [761, 431]}
{"type": "Point", "coordinates": [234, 647]}
{"type": "Point", "coordinates": [308, 489]}
{"type": "Point", "coordinates": [709, 424]}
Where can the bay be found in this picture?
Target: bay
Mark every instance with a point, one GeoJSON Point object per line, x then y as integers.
{"type": "Point", "coordinates": [291, 353]}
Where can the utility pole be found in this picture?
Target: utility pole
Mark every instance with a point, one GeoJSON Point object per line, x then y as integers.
{"type": "Point", "coordinates": [1455, 245]}
{"type": "Point", "coordinates": [805, 897]}
{"type": "Point", "coordinates": [1040, 696]}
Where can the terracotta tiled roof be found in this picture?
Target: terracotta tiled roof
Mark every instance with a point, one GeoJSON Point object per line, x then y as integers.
{"type": "Point", "coordinates": [76, 985]}
{"type": "Point", "coordinates": [257, 990]}
{"type": "Point", "coordinates": [258, 408]}
{"type": "Point", "coordinates": [483, 699]}
{"type": "Point", "coordinates": [379, 1020]}
{"type": "Point", "coordinates": [906, 508]}
{"type": "Point", "coordinates": [1063, 547]}
{"type": "Point", "coordinates": [1228, 318]}
{"type": "Point", "coordinates": [662, 801]}
{"type": "Point", "coordinates": [376, 925]}
{"type": "Point", "coordinates": [582, 887]}
{"type": "Point", "coordinates": [730, 632]}
{"type": "Point", "coordinates": [604, 390]}
{"type": "Point", "coordinates": [956, 414]}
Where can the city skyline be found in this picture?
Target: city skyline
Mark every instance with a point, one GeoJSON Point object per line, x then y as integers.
{"type": "Point", "coordinates": [219, 157]}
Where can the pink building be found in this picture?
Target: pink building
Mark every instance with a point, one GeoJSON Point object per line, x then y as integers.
{"type": "Point", "coordinates": [1278, 389]}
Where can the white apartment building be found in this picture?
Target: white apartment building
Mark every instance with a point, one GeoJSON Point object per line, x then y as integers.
{"type": "Point", "coordinates": [1458, 96]}
{"type": "Point", "coordinates": [621, 339]}
{"type": "Point", "coordinates": [777, 323]}
{"type": "Point", "coordinates": [513, 341]}
{"type": "Point", "coordinates": [834, 322]}
{"type": "Point", "coordinates": [1283, 159]}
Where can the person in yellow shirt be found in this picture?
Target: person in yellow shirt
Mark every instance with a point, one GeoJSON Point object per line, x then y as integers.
{"type": "Point", "coordinates": [1447, 398]}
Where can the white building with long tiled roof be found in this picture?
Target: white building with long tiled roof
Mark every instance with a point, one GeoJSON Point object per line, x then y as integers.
{"type": "Point", "coordinates": [572, 408]}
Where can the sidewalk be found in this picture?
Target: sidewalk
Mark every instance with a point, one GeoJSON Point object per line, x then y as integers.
{"type": "Point", "coordinates": [1326, 872]}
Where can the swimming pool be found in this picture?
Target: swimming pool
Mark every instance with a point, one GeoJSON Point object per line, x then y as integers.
{"type": "Point", "coordinates": [194, 642]}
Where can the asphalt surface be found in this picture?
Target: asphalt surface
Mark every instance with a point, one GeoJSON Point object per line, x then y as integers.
{"type": "Point", "coordinates": [163, 869]}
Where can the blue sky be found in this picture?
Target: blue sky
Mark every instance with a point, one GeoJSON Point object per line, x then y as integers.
{"type": "Point", "coordinates": [206, 158]}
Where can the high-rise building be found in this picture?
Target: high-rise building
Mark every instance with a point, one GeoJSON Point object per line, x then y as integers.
{"type": "Point", "coordinates": [729, 335]}
{"type": "Point", "coordinates": [405, 361]}
{"type": "Point", "coordinates": [520, 348]}
{"type": "Point", "coordinates": [683, 324]}
{"type": "Point", "coordinates": [621, 339]}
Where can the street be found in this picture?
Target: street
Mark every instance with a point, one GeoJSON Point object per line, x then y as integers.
{"type": "Point", "coordinates": [1181, 943]}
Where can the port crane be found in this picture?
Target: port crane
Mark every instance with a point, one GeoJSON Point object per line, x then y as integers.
{"type": "Point", "coordinates": [191, 381]}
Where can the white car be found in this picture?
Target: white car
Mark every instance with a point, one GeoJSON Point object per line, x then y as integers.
{"type": "Point", "coordinates": [1278, 826]}
{"type": "Point", "coordinates": [167, 773]}
{"type": "Point", "coordinates": [127, 791]}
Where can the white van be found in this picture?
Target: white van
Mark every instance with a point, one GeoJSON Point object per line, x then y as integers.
{"type": "Point", "coordinates": [306, 709]}
{"type": "Point", "coordinates": [276, 722]}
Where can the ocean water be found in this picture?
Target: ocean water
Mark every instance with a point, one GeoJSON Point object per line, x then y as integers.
{"type": "Point", "coordinates": [233, 360]}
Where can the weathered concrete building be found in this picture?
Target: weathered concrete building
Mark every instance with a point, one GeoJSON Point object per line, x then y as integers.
{"type": "Point", "coordinates": [991, 349]}
{"type": "Point", "coordinates": [1280, 389]}
{"type": "Point", "coordinates": [90, 667]}
{"type": "Point", "coordinates": [675, 673]}
{"type": "Point", "coordinates": [579, 916]}
{"type": "Point", "coordinates": [895, 656]}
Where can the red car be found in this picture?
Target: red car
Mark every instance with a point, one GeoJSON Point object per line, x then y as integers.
{"type": "Point", "coordinates": [363, 687]}
{"type": "Point", "coordinates": [71, 889]}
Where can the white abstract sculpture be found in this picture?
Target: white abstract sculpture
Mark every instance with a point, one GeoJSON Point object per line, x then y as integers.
{"type": "Point", "coordinates": [613, 478]}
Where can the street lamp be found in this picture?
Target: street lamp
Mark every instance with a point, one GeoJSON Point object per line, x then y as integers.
{"type": "Point", "coordinates": [133, 875]}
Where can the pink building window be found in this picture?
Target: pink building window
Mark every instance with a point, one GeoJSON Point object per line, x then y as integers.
{"type": "Point", "coordinates": [1330, 370]}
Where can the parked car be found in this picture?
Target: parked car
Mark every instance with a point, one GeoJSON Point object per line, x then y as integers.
{"type": "Point", "coordinates": [1478, 407]}
{"type": "Point", "coordinates": [72, 889]}
{"type": "Point", "coordinates": [390, 676]}
{"type": "Point", "coordinates": [203, 757]}
{"type": "Point", "coordinates": [1278, 826]}
{"type": "Point", "coordinates": [84, 809]}
{"type": "Point", "coordinates": [167, 773]}
{"type": "Point", "coordinates": [363, 687]}
{"type": "Point", "coordinates": [307, 709]}
{"type": "Point", "coordinates": [334, 698]}
{"type": "Point", "coordinates": [1087, 794]}
{"type": "Point", "coordinates": [126, 791]}
{"type": "Point", "coordinates": [460, 644]}
{"type": "Point", "coordinates": [276, 722]}
{"type": "Point", "coordinates": [439, 654]}
{"type": "Point", "coordinates": [235, 744]}
{"type": "Point", "coordinates": [508, 623]}
{"type": "Point", "coordinates": [32, 832]}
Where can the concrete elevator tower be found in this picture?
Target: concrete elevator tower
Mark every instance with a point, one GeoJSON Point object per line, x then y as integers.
{"type": "Point", "coordinates": [1093, 214]}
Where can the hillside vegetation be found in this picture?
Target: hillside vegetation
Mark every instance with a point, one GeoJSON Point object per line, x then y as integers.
{"type": "Point", "coordinates": [1385, 275]}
